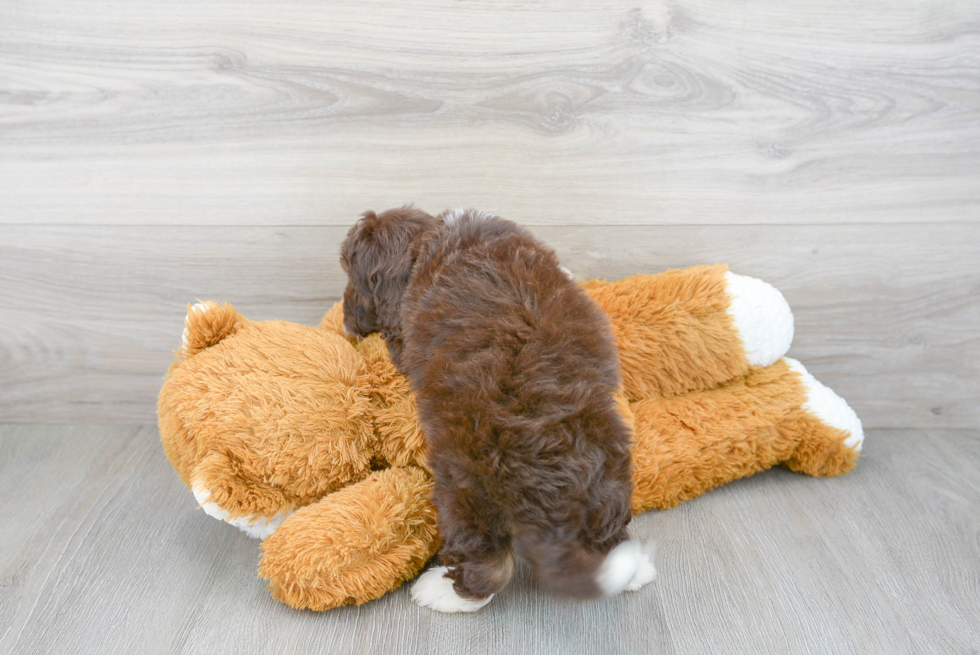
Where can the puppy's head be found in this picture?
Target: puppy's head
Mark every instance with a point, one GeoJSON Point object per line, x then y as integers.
{"type": "Point", "coordinates": [377, 256]}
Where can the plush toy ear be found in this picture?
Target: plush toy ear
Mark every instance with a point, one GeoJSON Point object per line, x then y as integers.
{"type": "Point", "coordinates": [206, 324]}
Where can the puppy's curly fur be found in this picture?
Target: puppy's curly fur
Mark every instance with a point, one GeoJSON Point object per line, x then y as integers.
{"type": "Point", "coordinates": [515, 369]}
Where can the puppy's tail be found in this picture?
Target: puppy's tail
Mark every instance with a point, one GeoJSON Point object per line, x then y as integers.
{"type": "Point", "coordinates": [581, 574]}
{"type": "Point", "coordinates": [618, 569]}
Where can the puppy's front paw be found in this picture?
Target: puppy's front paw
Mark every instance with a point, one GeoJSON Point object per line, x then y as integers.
{"type": "Point", "coordinates": [434, 590]}
{"type": "Point", "coordinates": [645, 573]}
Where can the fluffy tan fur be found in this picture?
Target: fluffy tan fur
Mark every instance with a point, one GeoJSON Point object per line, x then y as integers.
{"type": "Point", "coordinates": [272, 418]}
{"type": "Point", "coordinates": [250, 423]}
{"type": "Point", "coordinates": [673, 331]}
{"type": "Point", "coordinates": [354, 545]}
{"type": "Point", "coordinates": [697, 441]}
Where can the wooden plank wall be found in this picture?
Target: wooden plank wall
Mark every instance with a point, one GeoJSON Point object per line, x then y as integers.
{"type": "Point", "coordinates": [153, 153]}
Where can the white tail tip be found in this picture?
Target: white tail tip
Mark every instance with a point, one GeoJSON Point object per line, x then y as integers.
{"type": "Point", "coordinates": [626, 567]}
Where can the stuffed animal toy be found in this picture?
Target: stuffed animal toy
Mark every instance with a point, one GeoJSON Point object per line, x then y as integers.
{"type": "Point", "coordinates": [309, 440]}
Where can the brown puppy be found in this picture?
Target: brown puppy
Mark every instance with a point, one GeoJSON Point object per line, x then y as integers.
{"type": "Point", "coordinates": [515, 369]}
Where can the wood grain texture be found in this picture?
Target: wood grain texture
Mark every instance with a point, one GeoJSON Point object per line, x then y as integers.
{"type": "Point", "coordinates": [888, 316]}
{"type": "Point", "coordinates": [105, 551]}
{"type": "Point", "coordinates": [610, 112]}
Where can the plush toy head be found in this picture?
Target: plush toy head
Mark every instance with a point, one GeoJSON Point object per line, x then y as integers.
{"type": "Point", "coordinates": [308, 439]}
{"type": "Point", "coordinates": [262, 418]}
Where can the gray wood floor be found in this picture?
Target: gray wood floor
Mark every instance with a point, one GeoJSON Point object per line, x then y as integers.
{"type": "Point", "coordinates": [104, 551]}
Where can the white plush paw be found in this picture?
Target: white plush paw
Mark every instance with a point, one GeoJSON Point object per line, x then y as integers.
{"type": "Point", "coordinates": [645, 573]}
{"type": "Point", "coordinates": [434, 590]}
{"type": "Point", "coordinates": [822, 402]}
{"type": "Point", "coordinates": [762, 317]}
{"type": "Point", "coordinates": [257, 527]}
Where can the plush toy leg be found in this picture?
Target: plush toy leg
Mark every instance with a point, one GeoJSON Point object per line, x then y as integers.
{"type": "Point", "coordinates": [777, 414]}
{"type": "Point", "coordinates": [693, 329]}
{"type": "Point", "coordinates": [255, 509]}
{"type": "Point", "coordinates": [829, 433]}
{"type": "Point", "coordinates": [356, 544]}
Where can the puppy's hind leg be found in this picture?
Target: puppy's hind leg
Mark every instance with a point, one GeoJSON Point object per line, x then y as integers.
{"type": "Point", "coordinates": [466, 586]}
{"type": "Point", "coordinates": [477, 563]}
{"type": "Point", "coordinates": [587, 570]}
{"type": "Point", "coordinates": [582, 550]}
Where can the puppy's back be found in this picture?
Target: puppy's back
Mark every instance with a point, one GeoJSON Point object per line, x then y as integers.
{"type": "Point", "coordinates": [515, 368]}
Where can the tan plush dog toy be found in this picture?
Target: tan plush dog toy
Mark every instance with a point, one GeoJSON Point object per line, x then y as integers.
{"type": "Point", "coordinates": [309, 440]}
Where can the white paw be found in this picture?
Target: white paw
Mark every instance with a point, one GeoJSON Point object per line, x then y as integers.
{"type": "Point", "coordinates": [762, 317]}
{"type": "Point", "coordinates": [822, 402]}
{"type": "Point", "coordinates": [257, 527]}
{"type": "Point", "coordinates": [434, 590]}
{"type": "Point", "coordinates": [568, 273]}
{"type": "Point", "coordinates": [619, 568]}
{"type": "Point", "coordinates": [645, 573]}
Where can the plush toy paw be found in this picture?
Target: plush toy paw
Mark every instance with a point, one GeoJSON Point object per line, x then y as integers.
{"type": "Point", "coordinates": [435, 591]}
{"type": "Point", "coordinates": [831, 409]}
{"type": "Point", "coordinates": [762, 317]}
{"type": "Point", "coordinates": [829, 433]}
{"type": "Point", "coordinates": [257, 527]}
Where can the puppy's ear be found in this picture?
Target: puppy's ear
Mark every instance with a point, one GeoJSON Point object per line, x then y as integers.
{"type": "Point", "coordinates": [402, 246]}
{"type": "Point", "coordinates": [367, 224]}
{"type": "Point", "coordinates": [361, 232]}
